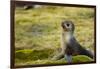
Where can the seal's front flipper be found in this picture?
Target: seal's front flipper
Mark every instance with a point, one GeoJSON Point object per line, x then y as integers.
{"type": "Point", "coordinates": [68, 58]}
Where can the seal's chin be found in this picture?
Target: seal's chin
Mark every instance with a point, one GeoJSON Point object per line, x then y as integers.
{"type": "Point", "coordinates": [64, 29]}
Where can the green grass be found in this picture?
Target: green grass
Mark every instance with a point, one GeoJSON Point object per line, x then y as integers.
{"type": "Point", "coordinates": [38, 32]}
{"type": "Point", "coordinates": [24, 57]}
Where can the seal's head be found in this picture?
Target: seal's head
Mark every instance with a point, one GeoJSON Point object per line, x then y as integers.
{"type": "Point", "coordinates": [68, 26]}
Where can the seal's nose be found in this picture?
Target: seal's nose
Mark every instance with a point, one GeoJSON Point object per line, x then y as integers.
{"type": "Point", "coordinates": [67, 24]}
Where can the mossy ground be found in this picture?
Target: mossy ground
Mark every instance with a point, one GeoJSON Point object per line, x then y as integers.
{"type": "Point", "coordinates": [38, 31]}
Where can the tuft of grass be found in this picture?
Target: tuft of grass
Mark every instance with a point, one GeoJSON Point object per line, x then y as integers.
{"type": "Point", "coordinates": [81, 58]}
{"type": "Point", "coordinates": [33, 54]}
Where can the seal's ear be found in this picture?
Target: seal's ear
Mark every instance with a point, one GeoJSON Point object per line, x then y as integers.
{"type": "Point", "coordinates": [62, 24]}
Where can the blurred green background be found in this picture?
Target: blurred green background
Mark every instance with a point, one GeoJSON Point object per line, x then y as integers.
{"type": "Point", "coordinates": [38, 32]}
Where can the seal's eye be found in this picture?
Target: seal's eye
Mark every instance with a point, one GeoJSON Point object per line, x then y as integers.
{"type": "Point", "coordinates": [68, 24]}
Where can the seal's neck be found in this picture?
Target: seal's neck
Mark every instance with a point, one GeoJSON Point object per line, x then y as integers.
{"type": "Point", "coordinates": [68, 35]}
